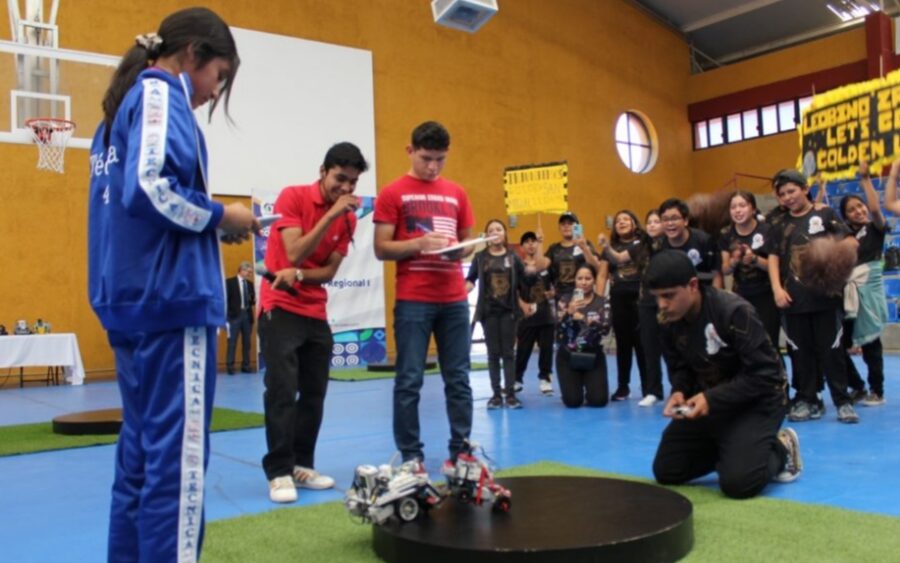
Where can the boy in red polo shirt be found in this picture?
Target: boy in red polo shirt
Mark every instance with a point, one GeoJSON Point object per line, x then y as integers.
{"type": "Point", "coordinates": [305, 248]}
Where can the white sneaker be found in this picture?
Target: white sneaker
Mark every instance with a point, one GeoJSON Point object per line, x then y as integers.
{"type": "Point", "coordinates": [281, 489]}
{"type": "Point", "coordinates": [546, 387]}
{"type": "Point", "coordinates": [648, 401]}
{"type": "Point", "coordinates": [307, 478]}
{"type": "Point", "coordinates": [517, 387]}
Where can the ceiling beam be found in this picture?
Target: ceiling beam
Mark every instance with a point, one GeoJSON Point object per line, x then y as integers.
{"type": "Point", "coordinates": [725, 15]}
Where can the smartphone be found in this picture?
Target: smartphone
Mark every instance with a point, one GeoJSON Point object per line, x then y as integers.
{"type": "Point", "coordinates": [578, 295]}
{"type": "Point", "coordinates": [683, 410]}
{"type": "Point", "coordinates": [577, 231]}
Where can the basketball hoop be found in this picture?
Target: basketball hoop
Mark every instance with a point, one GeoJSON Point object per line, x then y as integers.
{"type": "Point", "coordinates": [51, 136]}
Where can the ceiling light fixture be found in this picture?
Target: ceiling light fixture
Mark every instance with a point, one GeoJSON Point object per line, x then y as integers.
{"type": "Point", "coordinates": [848, 10]}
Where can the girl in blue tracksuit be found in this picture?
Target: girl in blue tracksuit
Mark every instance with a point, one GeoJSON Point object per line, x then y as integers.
{"type": "Point", "coordinates": [155, 277]}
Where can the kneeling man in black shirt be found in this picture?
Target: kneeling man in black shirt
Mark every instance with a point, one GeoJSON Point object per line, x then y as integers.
{"type": "Point", "coordinates": [728, 386]}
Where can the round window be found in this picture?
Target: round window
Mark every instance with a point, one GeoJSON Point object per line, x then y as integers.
{"type": "Point", "coordinates": [636, 142]}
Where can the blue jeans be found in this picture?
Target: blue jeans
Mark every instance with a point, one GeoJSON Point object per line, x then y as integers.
{"type": "Point", "coordinates": [414, 322]}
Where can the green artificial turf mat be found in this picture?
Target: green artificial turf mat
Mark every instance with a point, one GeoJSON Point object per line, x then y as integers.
{"type": "Point", "coordinates": [39, 437]}
{"type": "Point", "coordinates": [363, 374]}
{"type": "Point", "coordinates": [725, 530]}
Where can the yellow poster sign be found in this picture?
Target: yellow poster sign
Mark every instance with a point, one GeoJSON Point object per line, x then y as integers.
{"type": "Point", "coordinates": [536, 188]}
{"type": "Point", "coordinates": [848, 124]}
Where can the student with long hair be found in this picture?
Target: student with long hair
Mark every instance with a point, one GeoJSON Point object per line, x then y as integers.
{"type": "Point", "coordinates": [648, 330]}
{"type": "Point", "coordinates": [498, 271]}
{"type": "Point", "coordinates": [155, 277]}
{"type": "Point", "coordinates": [865, 307]}
{"type": "Point", "coordinates": [580, 362]}
{"type": "Point", "coordinates": [626, 238]}
{"type": "Point", "coordinates": [743, 244]}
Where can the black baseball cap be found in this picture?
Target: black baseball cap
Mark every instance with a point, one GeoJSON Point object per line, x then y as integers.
{"type": "Point", "coordinates": [569, 216]}
{"type": "Point", "coordinates": [527, 236]}
{"type": "Point", "coordinates": [669, 268]}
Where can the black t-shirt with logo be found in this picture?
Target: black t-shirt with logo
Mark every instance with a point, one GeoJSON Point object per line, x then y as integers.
{"type": "Point", "coordinates": [564, 262]}
{"type": "Point", "coordinates": [790, 240]}
{"type": "Point", "coordinates": [871, 241]}
{"type": "Point", "coordinates": [700, 249]}
{"type": "Point", "coordinates": [496, 272]}
{"type": "Point", "coordinates": [626, 277]}
{"type": "Point", "coordinates": [748, 280]}
{"type": "Point", "coordinates": [533, 289]}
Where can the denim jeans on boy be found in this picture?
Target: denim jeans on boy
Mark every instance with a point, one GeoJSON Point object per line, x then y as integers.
{"type": "Point", "coordinates": [414, 322]}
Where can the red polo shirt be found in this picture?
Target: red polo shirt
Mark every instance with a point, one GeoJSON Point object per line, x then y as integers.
{"type": "Point", "coordinates": [302, 207]}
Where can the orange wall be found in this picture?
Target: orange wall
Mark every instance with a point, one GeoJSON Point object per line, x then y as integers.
{"type": "Point", "coordinates": [542, 81]}
{"type": "Point", "coordinates": [713, 167]}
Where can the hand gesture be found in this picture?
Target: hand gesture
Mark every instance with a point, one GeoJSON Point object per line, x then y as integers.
{"type": "Point", "coordinates": [345, 203]}
{"type": "Point", "coordinates": [432, 241]}
{"type": "Point", "coordinates": [863, 167]}
{"type": "Point", "coordinates": [237, 223]}
{"type": "Point", "coordinates": [602, 241]}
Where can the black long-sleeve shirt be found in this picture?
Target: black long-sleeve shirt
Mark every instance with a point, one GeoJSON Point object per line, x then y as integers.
{"type": "Point", "coordinates": [724, 353]}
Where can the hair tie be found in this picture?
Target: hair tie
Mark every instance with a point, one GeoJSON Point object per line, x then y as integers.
{"type": "Point", "coordinates": [151, 42]}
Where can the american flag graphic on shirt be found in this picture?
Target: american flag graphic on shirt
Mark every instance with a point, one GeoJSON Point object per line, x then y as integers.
{"type": "Point", "coordinates": [438, 262]}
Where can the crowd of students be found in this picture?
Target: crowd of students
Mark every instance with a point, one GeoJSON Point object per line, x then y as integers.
{"type": "Point", "coordinates": [574, 293]}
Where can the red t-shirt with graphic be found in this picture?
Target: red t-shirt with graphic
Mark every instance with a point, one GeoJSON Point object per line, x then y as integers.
{"type": "Point", "coordinates": [303, 206]}
{"type": "Point", "coordinates": [415, 207]}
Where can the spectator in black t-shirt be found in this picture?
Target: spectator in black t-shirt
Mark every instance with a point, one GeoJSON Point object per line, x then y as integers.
{"type": "Point", "coordinates": [866, 309]}
{"type": "Point", "coordinates": [728, 387]}
{"type": "Point", "coordinates": [566, 255]}
{"type": "Point", "coordinates": [498, 272]}
{"type": "Point", "coordinates": [626, 253]}
{"type": "Point", "coordinates": [580, 362]}
{"type": "Point", "coordinates": [812, 319]}
{"type": "Point", "coordinates": [743, 246]}
{"type": "Point", "coordinates": [537, 326]}
{"type": "Point", "coordinates": [698, 245]}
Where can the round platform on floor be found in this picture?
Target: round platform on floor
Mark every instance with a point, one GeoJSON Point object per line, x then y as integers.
{"type": "Point", "coordinates": [553, 519]}
{"type": "Point", "coordinates": [104, 421]}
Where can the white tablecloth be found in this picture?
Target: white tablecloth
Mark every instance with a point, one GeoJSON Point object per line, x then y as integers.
{"type": "Point", "coordinates": [43, 350]}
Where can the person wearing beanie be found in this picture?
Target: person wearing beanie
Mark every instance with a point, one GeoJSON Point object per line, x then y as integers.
{"type": "Point", "coordinates": [728, 386]}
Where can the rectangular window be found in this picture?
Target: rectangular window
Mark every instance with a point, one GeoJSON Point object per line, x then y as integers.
{"type": "Point", "coordinates": [733, 122]}
{"type": "Point", "coordinates": [786, 116]}
{"type": "Point", "coordinates": [804, 103]}
{"type": "Point", "coordinates": [715, 132]}
{"type": "Point", "coordinates": [769, 120]}
{"type": "Point", "coordinates": [700, 139]}
{"type": "Point", "coordinates": [751, 124]}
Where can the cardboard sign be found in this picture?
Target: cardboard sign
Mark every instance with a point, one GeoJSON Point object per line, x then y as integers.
{"type": "Point", "coordinates": [536, 188]}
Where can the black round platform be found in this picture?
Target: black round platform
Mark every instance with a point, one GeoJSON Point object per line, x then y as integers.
{"type": "Point", "coordinates": [553, 519]}
{"type": "Point", "coordinates": [105, 421]}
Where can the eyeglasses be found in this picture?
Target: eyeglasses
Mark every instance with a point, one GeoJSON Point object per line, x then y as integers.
{"type": "Point", "coordinates": [671, 219]}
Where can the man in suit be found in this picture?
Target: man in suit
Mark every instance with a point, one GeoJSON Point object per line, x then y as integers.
{"type": "Point", "coordinates": [241, 304]}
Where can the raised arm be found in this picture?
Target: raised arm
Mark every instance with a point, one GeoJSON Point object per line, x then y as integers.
{"type": "Point", "coordinates": [890, 189]}
{"type": "Point", "coordinates": [865, 181]}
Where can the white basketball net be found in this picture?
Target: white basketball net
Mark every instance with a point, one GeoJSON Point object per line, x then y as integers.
{"type": "Point", "coordinates": [51, 136]}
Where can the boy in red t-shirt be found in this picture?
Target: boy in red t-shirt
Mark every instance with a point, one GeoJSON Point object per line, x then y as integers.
{"type": "Point", "coordinates": [414, 215]}
{"type": "Point", "coordinates": [305, 249]}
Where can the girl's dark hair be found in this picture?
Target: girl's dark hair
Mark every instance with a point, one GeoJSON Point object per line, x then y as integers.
{"type": "Point", "coordinates": [614, 237]}
{"type": "Point", "coordinates": [649, 213]}
{"type": "Point", "coordinates": [589, 267]}
{"type": "Point", "coordinates": [505, 230]}
{"type": "Point", "coordinates": [846, 201]}
{"type": "Point", "coordinates": [746, 196]}
{"type": "Point", "coordinates": [199, 28]}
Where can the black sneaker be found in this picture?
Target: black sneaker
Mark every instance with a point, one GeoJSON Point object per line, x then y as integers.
{"type": "Point", "coordinates": [512, 402]}
{"type": "Point", "coordinates": [621, 394]}
{"type": "Point", "coordinates": [495, 402]}
{"type": "Point", "coordinates": [857, 395]}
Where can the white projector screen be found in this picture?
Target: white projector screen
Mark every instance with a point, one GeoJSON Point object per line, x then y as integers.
{"type": "Point", "coordinates": [292, 99]}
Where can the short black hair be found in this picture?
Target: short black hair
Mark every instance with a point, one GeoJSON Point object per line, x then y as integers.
{"type": "Point", "coordinates": [431, 136]}
{"type": "Point", "coordinates": [675, 203]}
{"type": "Point", "coordinates": [669, 268]}
{"type": "Point", "coordinates": [345, 155]}
{"type": "Point", "coordinates": [527, 236]}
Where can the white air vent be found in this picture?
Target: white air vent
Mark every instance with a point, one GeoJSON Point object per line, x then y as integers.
{"type": "Point", "coordinates": [467, 15]}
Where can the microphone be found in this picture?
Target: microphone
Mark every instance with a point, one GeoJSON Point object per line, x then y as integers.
{"type": "Point", "coordinates": [270, 277]}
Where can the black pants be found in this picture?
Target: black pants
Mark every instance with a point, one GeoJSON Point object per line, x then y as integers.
{"type": "Point", "coordinates": [742, 448]}
{"type": "Point", "coordinates": [873, 356]}
{"type": "Point", "coordinates": [626, 327]}
{"type": "Point", "coordinates": [651, 381]}
{"type": "Point", "coordinates": [817, 346]}
{"type": "Point", "coordinates": [768, 312]}
{"type": "Point", "coordinates": [500, 339]}
{"type": "Point", "coordinates": [582, 387]}
{"type": "Point", "coordinates": [297, 351]}
{"type": "Point", "coordinates": [240, 326]}
{"type": "Point", "coordinates": [527, 335]}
